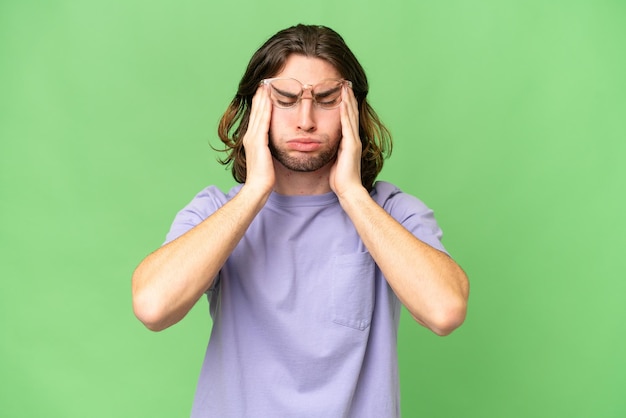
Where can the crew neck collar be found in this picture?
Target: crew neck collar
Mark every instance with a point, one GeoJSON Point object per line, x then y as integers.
{"type": "Point", "coordinates": [303, 200]}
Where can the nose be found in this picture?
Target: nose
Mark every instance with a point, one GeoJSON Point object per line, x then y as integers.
{"type": "Point", "coordinates": [306, 115]}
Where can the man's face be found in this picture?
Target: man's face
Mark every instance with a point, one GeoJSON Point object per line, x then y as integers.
{"type": "Point", "coordinates": [306, 137]}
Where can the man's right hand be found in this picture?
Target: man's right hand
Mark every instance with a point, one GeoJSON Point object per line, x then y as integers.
{"type": "Point", "coordinates": [259, 164]}
{"type": "Point", "coordinates": [168, 282]}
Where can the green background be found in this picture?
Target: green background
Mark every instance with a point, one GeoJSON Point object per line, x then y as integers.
{"type": "Point", "coordinates": [509, 121]}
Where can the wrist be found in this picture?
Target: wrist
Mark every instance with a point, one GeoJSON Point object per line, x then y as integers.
{"type": "Point", "coordinates": [353, 196]}
{"type": "Point", "coordinates": [255, 192]}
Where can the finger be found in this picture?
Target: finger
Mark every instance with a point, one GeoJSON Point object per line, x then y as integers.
{"type": "Point", "coordinates": [349, 113]}
{"type": "Point", "coordinates": [267, 108]}
{"type": "Point", "coordinates": [352, 108]}
{"type": "Point", "coordinates": [260, 114]}
{"type": "Point", "coordinates": [259, 107]}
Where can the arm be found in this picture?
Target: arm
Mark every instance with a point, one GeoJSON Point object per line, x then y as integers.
{"type": "Point", "coordinates": [428, 283]}
{"type": "Point", "coordinates": [168, 282]}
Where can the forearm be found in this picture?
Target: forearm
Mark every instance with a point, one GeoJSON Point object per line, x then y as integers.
{"type": "Point", "coordinates": [428, 283]}
{"type": "Point", "coordinates": [168, 282]}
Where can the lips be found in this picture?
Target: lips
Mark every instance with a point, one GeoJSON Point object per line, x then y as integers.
{"type": "Point", "coordinates": [304, 144]}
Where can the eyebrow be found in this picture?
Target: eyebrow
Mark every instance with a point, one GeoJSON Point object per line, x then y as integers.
{"type": "Point", "coordinates": [328, 92]}
{"type": "Point", "coordinates": [286, 93]}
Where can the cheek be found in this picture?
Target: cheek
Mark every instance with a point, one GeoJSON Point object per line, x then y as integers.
{"type": "Point", "coordinates": [336, 125]}
{"type": "Point", "coordinates": [278, 121]}
{"type": "Point", "coordinates": [282, 120]}
{"type": "Point", "coordinates": [329, 122]}
{"type": "Point", "coordinates": [274, 128]}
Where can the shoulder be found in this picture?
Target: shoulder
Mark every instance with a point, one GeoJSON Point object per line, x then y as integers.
{"type": "Point", "coordinates": [208, 200]}
{"type": "Point", "coordinates": [410, 211]}
{"type": "Point", "coordinates": [203, 204]}
{"type": "Point", "coordinates": [394, 200]}
{"type": "Point", "coordinates": [212, 198]}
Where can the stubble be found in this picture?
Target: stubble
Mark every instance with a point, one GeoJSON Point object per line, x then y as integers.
{"type": "Point", "coordinates": [304, 162]}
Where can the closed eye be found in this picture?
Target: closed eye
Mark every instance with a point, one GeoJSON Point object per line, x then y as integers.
{"type": "Point", "coordinates": [324, 94]}
{"type": "Point", "coordinates": [286, 94]}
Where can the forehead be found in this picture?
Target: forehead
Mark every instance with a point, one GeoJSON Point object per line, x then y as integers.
{"type": "Point", "coordinates": [308, 70]}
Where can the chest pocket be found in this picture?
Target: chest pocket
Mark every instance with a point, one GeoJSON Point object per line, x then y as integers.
{"type": "Point", "coordinates": [352, 285]}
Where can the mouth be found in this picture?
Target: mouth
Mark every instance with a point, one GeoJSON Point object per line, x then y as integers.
{"type": "Point", "coordinates": [304, 144]}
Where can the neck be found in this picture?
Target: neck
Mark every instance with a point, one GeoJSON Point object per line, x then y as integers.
{"type": "Point", "coordinates": [296, 183]}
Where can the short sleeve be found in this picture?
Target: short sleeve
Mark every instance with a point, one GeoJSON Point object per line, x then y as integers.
{"type": "Point", "coordinates": [411, 212]}
{"type": "Point", "coordinates": [201, 207]}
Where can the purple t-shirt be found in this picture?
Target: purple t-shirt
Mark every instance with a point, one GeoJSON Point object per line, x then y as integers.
{"type": "Point", "coordinates": [304, 323]}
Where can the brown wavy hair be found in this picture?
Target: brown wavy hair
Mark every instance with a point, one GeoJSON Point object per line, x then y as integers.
{"type": "Point", "coordinates": [310, 41]}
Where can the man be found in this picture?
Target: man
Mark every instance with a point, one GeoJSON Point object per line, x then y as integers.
{"type": "Point", "coordinates": [306, 262]}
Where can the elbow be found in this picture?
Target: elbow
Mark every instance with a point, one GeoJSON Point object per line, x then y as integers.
{"type": "Point", "coordinates": [447, 326]}
{"type": "Point", "coordinates": [451, 314]}
{"type": "Point", "coordinates": [147, 308]}
{"type": "Point", "coordinates": [148, 313]}
{"type": "Point", "coordinates": [448, 318]}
